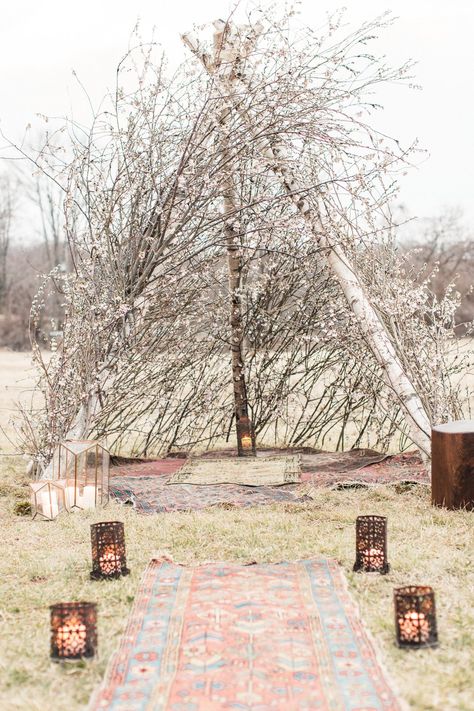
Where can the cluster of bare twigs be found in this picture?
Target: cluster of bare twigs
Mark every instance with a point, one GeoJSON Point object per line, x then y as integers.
{"type": "Point", "coordinates": [296, 276]}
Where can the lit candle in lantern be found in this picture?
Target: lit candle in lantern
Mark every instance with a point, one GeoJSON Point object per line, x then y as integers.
{"type": "Point", "coordinates": [246, 441]}
{"type": "Point", "coordinates": [88, 498]}
{"type": "Point", "coordinates": [73, 630]}
{"type": "Point", "coordinates": [109, 561]}
{"type": "Point", "coordinates": [108, 550]}
{"type": "Point", "coordinates": [414, 627]}
{"type": "Point", "coordinates": [374, 557]}
{"type": "Point", "coordinates": [245, 437]}
{"type": "Point", "coordinates": [71, 638]}
{"type": "Point", "coordinates": [47, 499]}
{"type": "Point", "coordinates": [83, 467]}
{"type": "Point", "coordinates": [49, 503]}
{"type": "Point", "coordinates": [371, 545]}
{"type": "Point", "coordinates": [415, 617]}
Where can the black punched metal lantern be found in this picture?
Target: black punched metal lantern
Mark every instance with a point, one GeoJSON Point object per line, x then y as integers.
{"type": "Point", "coordinates": [415, 617]}
{"type": "Point", "coordinates": [73, 630]}
{"type": "Point", "coordinates": [245, 437]}
{"type": "Point", "coordinates": [108, 550]}
{"type": "Point", "coordinates": [371, 545]}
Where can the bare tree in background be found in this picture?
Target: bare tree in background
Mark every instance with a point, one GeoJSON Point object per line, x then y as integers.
{"type": "Point", "coordinates": [18, 282]}
{"type": "Point", "coordinates": [441, 251]}
{"type": "Point", "coordinates": [47, 200]}
{"type": "Point", "coordinates": [6, 219]}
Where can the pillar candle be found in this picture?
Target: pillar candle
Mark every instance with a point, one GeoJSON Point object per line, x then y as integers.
{"type": "Point", "coordinates": [50, 504]}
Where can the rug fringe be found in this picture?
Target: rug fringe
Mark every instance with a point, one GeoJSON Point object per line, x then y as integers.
{"type": "Point", "coordinates": [379, 655]}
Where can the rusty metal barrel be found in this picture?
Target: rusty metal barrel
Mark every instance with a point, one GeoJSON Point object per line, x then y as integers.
{"type": "Point", "coordinates": [452, 465]}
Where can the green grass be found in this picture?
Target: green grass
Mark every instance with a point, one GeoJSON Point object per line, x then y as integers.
{"type": "Point", "coordinates": [43, 563]}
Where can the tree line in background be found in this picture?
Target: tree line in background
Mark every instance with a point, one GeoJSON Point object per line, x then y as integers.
{"type": "Point", "coordinates": [439, 250]}
{"type": "Point", "coordinates": [30, 247]}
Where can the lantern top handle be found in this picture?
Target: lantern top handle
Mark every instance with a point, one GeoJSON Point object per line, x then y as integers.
{"type": "Point", "coordinates": [414, 590]}
{"type": "Point", "coordinates": [77, 446]}
{"type": "Point", "coordinates": [72, 605]}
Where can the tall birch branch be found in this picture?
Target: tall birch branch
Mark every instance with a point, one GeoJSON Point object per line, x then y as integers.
{"type": "Point", "coordinates": [229, 83]}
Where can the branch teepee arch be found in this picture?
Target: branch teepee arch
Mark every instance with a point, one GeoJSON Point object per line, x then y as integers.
{"type": "Point", "coordinates": [227, 80]}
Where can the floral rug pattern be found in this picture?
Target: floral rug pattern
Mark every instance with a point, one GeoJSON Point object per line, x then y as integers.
{"type": "Point", "coordinates": [225, 636]}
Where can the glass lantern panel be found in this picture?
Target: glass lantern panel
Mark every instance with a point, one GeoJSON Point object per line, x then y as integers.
{"type": "Point", "coordinates": [104, 466]}
{"type": "Point", "coordinates": [84, 466]}
{"type": "Point", "coordinates": [47, 499]}
{"type": "Point", "coordinates": [78, 446]}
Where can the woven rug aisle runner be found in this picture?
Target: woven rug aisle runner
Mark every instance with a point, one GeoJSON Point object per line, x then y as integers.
{"type": "Point", "coordinates": [145, 484]}
{"type": "Point", "coordinates": [258, 471]}
{"type": "Point", "coordinates": [282, 636]}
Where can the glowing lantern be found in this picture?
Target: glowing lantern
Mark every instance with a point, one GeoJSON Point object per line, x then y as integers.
{"type": "Point", "coordinates": [371, 545]}
{"type": "Point", "coordinates": [108, 550]}
{"type": "Point", "coordinates": [73, 630]}
{"type": "Point", "coordinates": [83, 466]}
{"type": "Point", "coordinates": [48, 499]}
{"type": "Point", "coordinates": [415, 617]}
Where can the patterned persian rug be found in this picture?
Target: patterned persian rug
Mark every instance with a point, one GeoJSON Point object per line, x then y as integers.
{"type": "Point", "coordinates": [261, 471]}
{"type": "Point", "coordinates": [153, 495]}
{"type": "Point", "coordinates": [145, 484]}
{"type": "Point", "coordinates": [224, 636]}
{"type": "Point", "coordinates": [152, 467]}
{"type": "Point", "coordinates": [404, 468]}
{"type": "Point", "coordinates": [336, 462]}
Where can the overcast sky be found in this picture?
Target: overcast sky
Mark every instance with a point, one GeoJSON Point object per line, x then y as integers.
{"type": "Point", "coordinates": [42, 41]}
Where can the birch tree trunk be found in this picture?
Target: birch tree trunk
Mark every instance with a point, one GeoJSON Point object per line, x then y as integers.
{"type": "Point", "coordinates": [244, 428]}
{"type": "Point", "coordinates": [371, 326]}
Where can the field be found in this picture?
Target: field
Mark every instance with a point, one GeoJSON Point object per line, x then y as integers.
{"type": "Point", "coordinates": [43, 563]}
{"type": "Point", "coordinates": [16, 385]}
{"type": "Point", "coordinates": [17, 378]}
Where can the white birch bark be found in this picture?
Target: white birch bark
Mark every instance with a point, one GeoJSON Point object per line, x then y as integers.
{"type": "Point", "coordinates": [234, 262]}
{"type": "Point", "coordinates": [373, 329]}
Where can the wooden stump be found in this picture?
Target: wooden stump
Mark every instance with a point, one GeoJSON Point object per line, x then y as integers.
{"type": "Point", "coordinates": [452, 465]}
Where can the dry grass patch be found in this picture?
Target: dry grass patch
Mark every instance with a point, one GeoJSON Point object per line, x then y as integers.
{"type": "Point", "coordinates": [43, 563]}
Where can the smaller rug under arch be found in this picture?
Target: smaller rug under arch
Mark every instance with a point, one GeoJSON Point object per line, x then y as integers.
{"type": "Point", "coordinates": [244, 471]}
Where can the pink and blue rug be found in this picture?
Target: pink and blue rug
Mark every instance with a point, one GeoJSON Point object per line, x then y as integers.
{"type": "Point", "coordinates": [145, 484]}
{"type": "Point", "coordinates": [285, 637]}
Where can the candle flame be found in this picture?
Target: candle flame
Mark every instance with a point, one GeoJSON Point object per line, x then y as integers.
{"type": "Point", "coordinates": [109, 561]}
{"type": "Point", "coordinates": [374, 558]}
{"type": "Point", "coordinates": [414, 627]}
{"type": "Point", "coordinates": [71, 638]}
{"type": "Point", "coordinates": [246, 441]}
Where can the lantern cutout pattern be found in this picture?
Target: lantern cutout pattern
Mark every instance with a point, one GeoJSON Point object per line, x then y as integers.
{"type": "Point", "coordinates": [108, 550]}
{"type": "Point", "coordinates": [245, 437]}
{"type": "Point", "coordinates": [371, 545]}
{"type": "Point", "coordinates": [48, 499]}
{"type": "Point", "coordinates": [73, 630]}
{"type": "Point", "coordinates": [84, 467]}
{"type": "Point", "coordinates": [415, 617]}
